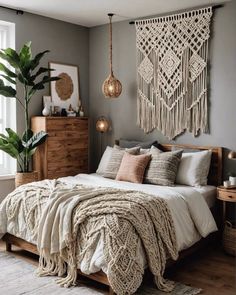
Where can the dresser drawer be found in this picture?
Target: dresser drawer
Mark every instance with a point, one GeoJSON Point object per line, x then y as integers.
{"type": "Point", "coordinates": [71, 124]}
{"type": "Point", "coordinates": [59, 146]}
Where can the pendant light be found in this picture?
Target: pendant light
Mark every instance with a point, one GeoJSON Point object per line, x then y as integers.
{"type": "Point", "coordinates": [111, 86]}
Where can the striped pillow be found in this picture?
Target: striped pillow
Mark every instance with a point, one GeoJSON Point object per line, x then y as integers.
{"type": "Point", "coordinates": [162, 169]}
{"type": "Point", "coordinates": [115, 160]}
{"type": "Point", "coordinates": [132, 168]}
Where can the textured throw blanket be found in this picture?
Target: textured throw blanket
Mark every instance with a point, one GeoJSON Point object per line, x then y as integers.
{"type": "Point", "coordinates": [75, 218]}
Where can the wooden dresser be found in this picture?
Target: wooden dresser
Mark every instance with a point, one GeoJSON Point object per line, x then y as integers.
{"type": "Point", "coordinates": [65, 152]}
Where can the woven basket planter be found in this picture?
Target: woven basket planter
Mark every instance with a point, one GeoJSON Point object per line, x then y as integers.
{"type": "Point", "coordinates": [229, 238]}
{"type": "Point", "coordinates": [23, 178]}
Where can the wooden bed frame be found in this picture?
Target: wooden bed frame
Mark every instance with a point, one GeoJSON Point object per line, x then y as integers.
{"type": "Point", "coordinates": [214, 178]}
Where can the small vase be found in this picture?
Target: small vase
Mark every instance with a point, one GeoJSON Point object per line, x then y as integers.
{"type": "Point", "coordinates": [46, 111]}
{"type": "Point", "coordinates": [232, 180]}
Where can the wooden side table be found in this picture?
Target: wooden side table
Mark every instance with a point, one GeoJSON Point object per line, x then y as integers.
{"type": "Point", "coordinates": [226, 195]}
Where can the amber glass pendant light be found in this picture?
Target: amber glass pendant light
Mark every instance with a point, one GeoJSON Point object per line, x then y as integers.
{"type": "Point", "coordinates": [111, 86]}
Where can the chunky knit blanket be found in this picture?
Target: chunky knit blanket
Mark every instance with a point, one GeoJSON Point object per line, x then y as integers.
{"type": "Point", "coordinates": [73, 219]}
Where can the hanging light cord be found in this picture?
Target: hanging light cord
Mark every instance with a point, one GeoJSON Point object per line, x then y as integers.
{"type": "Point", "coordinates": [110, 31]}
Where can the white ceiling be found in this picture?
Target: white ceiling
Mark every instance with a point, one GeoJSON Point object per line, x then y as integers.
{"type": "Point", "coordinates": [91, 13]}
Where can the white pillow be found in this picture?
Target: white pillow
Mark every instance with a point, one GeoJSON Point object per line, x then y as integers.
{"type": "Point", "coordinates": [194, 168]}
{"type": "Point", "coordinates": [104, 160]}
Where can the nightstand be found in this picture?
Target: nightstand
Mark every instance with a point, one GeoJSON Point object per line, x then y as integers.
{"type": "Point", "coordinates": [226, 195]}
{"type": "Point", "coordinates": [229, 231]}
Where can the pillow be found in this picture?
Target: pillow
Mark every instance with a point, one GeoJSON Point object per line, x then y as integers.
{"type": "Point", "coordinates": [123, 143]}
{"type": "Point", "coordinates": [147, 151]}
{"type": "Point", "coordinates": [194, 168]}
{"type": "Point", "coordinates": [132, 168]}
{"type": "Point", "coordinates": [163, 167]}
{"type": "Point", "coordinates": [185, 150]}
{"type": "Point", "coordinates": [104, 160]}
{"type": "Point", "coordinates": [115, 160]}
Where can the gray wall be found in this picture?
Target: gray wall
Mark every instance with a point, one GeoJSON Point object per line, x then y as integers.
{"type": "Point", "coordinates": [122, 111]}
{"type": "Point", "coordinates": [67, 43]}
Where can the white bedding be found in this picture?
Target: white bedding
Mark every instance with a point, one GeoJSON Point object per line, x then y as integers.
{"type": "Point", "coordinates": [190, 212]}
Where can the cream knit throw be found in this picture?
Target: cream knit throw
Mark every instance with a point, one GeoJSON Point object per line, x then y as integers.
{"type": "Point", "coordinates": [75, 218]}
{"type": "Point", "coordinates": [172, 53]}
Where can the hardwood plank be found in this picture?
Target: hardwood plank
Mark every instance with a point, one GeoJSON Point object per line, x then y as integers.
{"type": "Point", "coordinates": [211, 269]}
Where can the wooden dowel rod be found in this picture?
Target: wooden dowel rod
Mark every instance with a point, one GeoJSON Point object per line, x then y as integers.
{"type": "Point", "coordinates": [213, 7]}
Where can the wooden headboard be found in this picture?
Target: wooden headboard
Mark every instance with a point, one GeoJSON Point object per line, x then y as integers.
{"type": "Point", "coordinates": [215, 173]}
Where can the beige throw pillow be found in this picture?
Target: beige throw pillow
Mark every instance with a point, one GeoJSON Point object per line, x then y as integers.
{"type": "Point", "coordinates": [132, 168]}
{"type": "Point", "coordinates": [115, 160]}
{"type": "Point", "coordinates": [163, 167]}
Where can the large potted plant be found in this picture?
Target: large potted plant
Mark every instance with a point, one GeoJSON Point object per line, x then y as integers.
{"type": "Point", "coordinates": [22, 69]}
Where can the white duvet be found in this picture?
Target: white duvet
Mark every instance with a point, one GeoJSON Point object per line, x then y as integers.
{"type": "Point", "coordinates": [191, 215]}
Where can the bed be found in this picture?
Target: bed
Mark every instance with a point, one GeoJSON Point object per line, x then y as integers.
{"type": "Point", "coordinates": [190, 239]}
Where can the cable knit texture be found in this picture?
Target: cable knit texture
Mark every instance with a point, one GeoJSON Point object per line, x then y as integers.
{"type": "Point", "coordinates": [71, 220]}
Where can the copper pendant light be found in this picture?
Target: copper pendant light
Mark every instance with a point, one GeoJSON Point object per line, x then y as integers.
{"type": "Point", "coordinates": [111, 86]}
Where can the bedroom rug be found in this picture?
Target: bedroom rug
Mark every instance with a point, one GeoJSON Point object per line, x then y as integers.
{"type": "Point", "coordinates": [17, 277]}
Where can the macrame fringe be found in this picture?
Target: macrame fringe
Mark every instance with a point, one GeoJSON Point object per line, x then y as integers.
{"type": "Point", "coordinates": [174, 122]}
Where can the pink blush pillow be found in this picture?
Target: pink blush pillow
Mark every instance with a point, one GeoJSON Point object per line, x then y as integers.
{"type": "Point", "coordinates": [132, 168]}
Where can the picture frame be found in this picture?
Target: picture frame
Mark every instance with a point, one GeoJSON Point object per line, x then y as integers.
{"type": "Point", "coordinates": [47, 101]}
{"type": "Point", "coordinates": [65, 92]}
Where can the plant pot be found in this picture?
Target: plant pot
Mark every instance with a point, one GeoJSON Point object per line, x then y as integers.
{"type": "Point", "coordinates": [27, 177]}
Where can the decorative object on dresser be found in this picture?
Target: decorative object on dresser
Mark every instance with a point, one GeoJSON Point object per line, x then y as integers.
{"type": "Point", "coordinates": [111, 86]}
{"type": "Point", "coordinates": [65, 92]}
{"type": "Point", "coordinates": [26, 74]}
{"type": "Point", "coordinates": [102, 126]}
{"type": "Point", "coordinates": [47, 105]}
{"type": "Point", "coordinates": [227, 195]}
{"type": "Point", "coordinates": [172, 53]}
{"type": "Point", "coordinates": [65, 153]}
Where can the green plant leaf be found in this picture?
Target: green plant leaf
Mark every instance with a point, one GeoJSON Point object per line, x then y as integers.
{"type": "Point", "coordinates": [25, 53]}
{"type": "Point", "coordinates": [14, 139]}
{"type": "Point", "coordinates": [36, 60]}
{"type": "Point", "coordinates": [39, 72]}
{"type": "Point", "coordinates": [37, 139]}
{"type": "Point", "coordinates": [7, 91]}
{"type": "Point", "coordinates": [8, 79]}
{"type": "Point", "coordinates": [4, 69]}
{"type": "Point", "coordinates": [11, 56]}
{"type": "Point", "coordinates": [46, 79]}
{"type": "Point", "coordinates": [9, 149]}
{"type": "Point", "coordinates": [27, 135]}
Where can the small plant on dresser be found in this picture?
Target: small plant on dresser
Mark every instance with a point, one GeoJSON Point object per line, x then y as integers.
{"type": "Point", "coordinates": [23, 70]}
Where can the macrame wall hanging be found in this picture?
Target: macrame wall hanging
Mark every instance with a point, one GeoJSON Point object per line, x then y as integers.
{"type": "Point", "coordinates": [172, 54]}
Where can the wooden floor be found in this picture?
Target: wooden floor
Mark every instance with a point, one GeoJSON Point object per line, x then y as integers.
{"type": "Point", "coordinates": [211, 270]}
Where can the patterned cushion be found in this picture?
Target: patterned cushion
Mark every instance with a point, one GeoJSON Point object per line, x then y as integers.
{"type": "Point", "coordinates": [162, 169]}
{"type": "Point", "coordinates": [132, 168]}
{"type": "Point", "coordinates": [115, 160]}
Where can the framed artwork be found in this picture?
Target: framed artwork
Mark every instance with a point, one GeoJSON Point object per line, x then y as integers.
{"type": "Point", "coordinates": [65, 92]}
